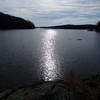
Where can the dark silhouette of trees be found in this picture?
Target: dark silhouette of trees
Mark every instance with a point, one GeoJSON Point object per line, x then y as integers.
{"type": "Point", "coordinates": [98, 27]}
{"type": "Point", "coordinates": [98, 23]}
{"type": "Point", "coordinates": [12, 22]}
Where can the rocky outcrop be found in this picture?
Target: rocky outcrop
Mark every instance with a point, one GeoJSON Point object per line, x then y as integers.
{"type": "Point", "coordinates": [42, 91]}
{"type": "Point", "coordinates": [11, 22]}
{"type": "Point", "coordinates": [85, 89]}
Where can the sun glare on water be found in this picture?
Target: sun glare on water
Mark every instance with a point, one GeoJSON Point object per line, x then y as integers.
{"type": "Point", "coordinates": [49, 60]}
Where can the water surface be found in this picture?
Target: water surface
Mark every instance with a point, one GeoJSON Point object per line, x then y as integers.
{"type": "Point", "coordinates": [31, 55]}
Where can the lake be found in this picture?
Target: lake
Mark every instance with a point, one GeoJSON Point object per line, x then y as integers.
{"type": "Point", "coordinates": [47, 54]}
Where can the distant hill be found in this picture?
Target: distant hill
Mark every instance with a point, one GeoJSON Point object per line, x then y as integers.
{"type": "Point", "coordinates": [12, 22]}
{"type": "Point", "coordinates": [87, 26]}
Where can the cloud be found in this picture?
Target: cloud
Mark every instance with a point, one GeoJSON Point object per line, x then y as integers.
{"type": "Point", "coordinates": [52, 12]}
{"type": "Point", "coordinates": [76, 20]}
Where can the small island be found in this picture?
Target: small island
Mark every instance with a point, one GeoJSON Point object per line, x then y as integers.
{"type": "Point", "coordinates": [12, 22]}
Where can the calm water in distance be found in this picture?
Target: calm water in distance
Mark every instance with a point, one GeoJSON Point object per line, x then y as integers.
{"type": "Point", "coordinates": [48, 54]}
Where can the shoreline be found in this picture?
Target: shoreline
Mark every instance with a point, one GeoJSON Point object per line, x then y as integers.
{"type": "Point", "coordinates": [42, 90]}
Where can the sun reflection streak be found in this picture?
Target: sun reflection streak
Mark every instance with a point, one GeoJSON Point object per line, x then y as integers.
{"type": "Point", "coordinates": [49, 60]}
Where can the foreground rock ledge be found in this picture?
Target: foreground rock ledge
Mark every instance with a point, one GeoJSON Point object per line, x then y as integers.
{"type": "Point", "coordinates": [11, 22]}
{"type": "Point", "coordinates": [88, 89]}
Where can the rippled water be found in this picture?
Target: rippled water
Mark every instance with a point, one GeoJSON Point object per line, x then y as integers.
{"type": "Point", "coordinates": [31, 55]}
{"type": "Point", "coordinates": [49, 61]}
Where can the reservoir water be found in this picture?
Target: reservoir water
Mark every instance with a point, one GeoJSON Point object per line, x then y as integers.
{"type": "Point", "coordinates": [47, 54]}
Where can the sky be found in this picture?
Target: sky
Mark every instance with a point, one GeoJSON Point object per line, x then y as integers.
{"type": "Point", "coordinates": [54, 12]}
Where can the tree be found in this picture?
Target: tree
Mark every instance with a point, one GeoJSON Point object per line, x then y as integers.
{"type": "Point", "coordinates": [98, 27]}
{"type": "Point", "coordinates": [13, 22]}
{"type": "Point", "coordinates": [98, 23]}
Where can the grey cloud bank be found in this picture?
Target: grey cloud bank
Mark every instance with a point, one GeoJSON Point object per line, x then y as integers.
{"type": "Point", "coordinates": [54, 12]}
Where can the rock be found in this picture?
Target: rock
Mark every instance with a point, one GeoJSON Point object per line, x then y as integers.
{"type": "Point", "coordinates": [11, 22]}
{"type": "Point", "coordinates": [45, 91]}
{"type": "Point", "coordinates": [52, 91]}
{"type": "Point", "coordinates": [79, 39]}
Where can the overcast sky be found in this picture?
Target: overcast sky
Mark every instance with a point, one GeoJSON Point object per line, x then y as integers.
{"type": "Point", "coordinates": [54, 12]}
